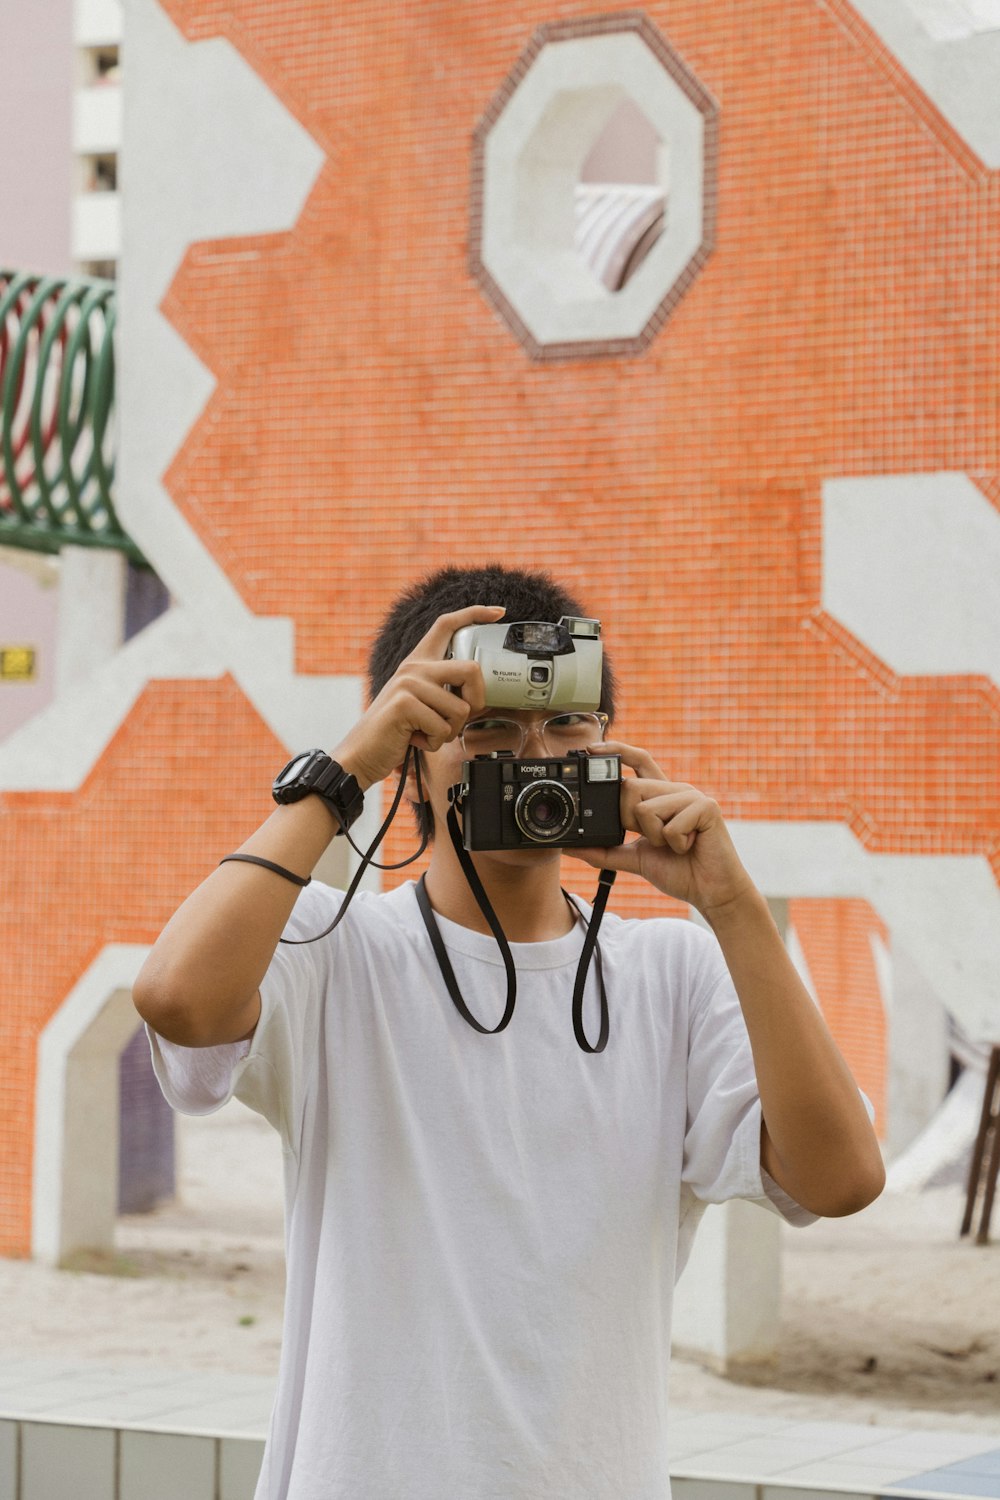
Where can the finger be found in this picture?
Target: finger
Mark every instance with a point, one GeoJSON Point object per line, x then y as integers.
{"type": "Point", "coordinates": [430, 730]}
{"type": "Point", "coordinates": [435, 643]}
{"type": "Point", "coordinates": [465, 677]}
{"type": "Point", "coordinates": [431, 683]}
{"type": "Point", "coordinates": [664, 804]}
{"type": "Point", "coordinates": [683, 828]}
{"type": "Point", "coordinates": [620, 857]}
{"type": "Point", "coordinates": [632, 756]}
{"type": "Point", "coordinates": [652, 815]}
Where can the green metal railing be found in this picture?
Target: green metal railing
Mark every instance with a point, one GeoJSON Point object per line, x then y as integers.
{"type": "Point", "coordinates": [57, 390]}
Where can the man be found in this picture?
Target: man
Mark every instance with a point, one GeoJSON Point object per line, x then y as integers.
{"type": "Point", "coordinates": [483, 1231]}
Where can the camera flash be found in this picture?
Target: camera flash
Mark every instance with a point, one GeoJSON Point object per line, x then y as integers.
{"type": "Point", "coordinates": [602, 768]}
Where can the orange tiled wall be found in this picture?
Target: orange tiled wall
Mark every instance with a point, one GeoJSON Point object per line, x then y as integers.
{"type": "Point", "coordinates": [372, 418]}
{"type": "Point", "coordinates": [108, 865]}
{"type": "Point", "coordinates": [836, 939]}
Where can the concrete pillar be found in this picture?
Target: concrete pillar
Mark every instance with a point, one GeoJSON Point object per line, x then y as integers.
{"type": "Point", "coordinates": [919, 1051]}
{"type": "Point", "coordinates": [91, 629]}
{"type": "Point", "coordinates": [727, 1304]}
{"type": "Point", "coordinates": [728, 1300]}
{"type": "Point", "coordinates": [89, 1187]}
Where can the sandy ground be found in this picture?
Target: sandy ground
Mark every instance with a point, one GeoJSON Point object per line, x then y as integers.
{"type": "Point", "coordinates": [887, 1317]}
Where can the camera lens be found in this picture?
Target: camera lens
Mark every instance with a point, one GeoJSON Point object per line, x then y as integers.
{"type": "Point", "coordinates": [544, 811]}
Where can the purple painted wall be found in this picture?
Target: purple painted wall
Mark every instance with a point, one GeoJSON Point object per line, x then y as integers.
{"type": "Point", "coordinates": [29, 601]}
{"type": "Point", "coordinates": [36, 164]}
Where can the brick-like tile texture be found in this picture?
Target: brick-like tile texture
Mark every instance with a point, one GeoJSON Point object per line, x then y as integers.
{"type": "Point", "coordinates": [373, 418]}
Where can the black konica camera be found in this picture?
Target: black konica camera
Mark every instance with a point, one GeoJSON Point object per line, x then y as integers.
{"type": "Point", "coordinates": [556, 803]}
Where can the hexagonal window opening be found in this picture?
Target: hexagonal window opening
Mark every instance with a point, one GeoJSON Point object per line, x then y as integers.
{"type": "Point", "coordinates": [620, 197]}
{"type": "Point", "coordinates": [579, 240]}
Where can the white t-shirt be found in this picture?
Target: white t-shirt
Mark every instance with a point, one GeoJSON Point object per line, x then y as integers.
{"type": "Point", "coordinates": [483, 1232]}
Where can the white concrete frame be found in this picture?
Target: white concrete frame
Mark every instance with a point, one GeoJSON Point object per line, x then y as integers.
{"type": "Point", "coordinates": [532, 162]}
{"type": "Point", "coordinates": [911, 566]}
{"type": "Point", "coordinates": [75, 1180]}
{"type": "Point", "coordinates": [952, 50]}
{"type": "Point", "coordinates": [944, 910]}
{"type": "Point", "coordinates": [211, 153]}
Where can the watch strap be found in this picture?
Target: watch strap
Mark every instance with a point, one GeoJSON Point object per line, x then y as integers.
{"type": "Point", "coordinates": [324, 777]}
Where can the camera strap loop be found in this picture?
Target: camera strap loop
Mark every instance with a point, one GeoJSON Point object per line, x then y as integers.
{"type": "Point", "coordinates": [437, 942]}
{"type": "Point", "coordinates": [448, 973]}
{"type": "Point", "coordinates": [590, 946]}
{"type": "Point", "coordinates": [367, 855]}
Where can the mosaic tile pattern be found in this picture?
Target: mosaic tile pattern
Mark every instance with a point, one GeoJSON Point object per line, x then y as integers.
{"type": "Point", "coordinates": [371, 418]}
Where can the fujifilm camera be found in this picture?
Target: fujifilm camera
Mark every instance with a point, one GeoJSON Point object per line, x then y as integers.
{"type": "Point", "coordinates": [535, 664]}
{"type": "Point", "coordinates": [556, 802]}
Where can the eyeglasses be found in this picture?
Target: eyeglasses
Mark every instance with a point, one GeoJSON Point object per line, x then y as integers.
{"type": "Point", "coordinates": [559, 734]}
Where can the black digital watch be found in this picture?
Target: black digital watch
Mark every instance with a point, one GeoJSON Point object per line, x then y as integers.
{"type": "Point", "coordinates": [314, 773]}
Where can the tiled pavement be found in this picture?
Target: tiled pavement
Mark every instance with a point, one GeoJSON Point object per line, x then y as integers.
{"type": "Point", "coordinates": [74, 1432]}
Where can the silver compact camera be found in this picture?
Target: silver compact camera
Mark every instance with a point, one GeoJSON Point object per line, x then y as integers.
{"type": "Point", "coordinates": [535, 664]}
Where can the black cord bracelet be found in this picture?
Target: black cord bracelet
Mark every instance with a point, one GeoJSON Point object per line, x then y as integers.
{"type": "Point", "coordinates": [267, 864]}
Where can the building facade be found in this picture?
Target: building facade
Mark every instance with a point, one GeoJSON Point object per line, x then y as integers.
{"type": "Point", "coordinates": [369, 326]}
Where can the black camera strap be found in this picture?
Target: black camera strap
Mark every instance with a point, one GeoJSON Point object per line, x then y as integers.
{"type": "Point", "coordinates": [368, 859]}
{"type": "Point", "coordinates": [590, 946]}
{"type": "Point", "coordinates": [592, 949]}
{"type": "Point", "coordinates": [448, 973]}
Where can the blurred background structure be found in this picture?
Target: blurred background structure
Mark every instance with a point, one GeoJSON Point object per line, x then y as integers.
{"type": "Point", "coordinates": [695, 306]}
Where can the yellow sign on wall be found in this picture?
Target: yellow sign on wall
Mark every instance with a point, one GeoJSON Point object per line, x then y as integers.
{"type": "Point", "coordinates": [18, 664]}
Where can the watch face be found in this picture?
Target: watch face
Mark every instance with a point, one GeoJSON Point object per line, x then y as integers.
{"type": "Point", "coordinates": [293, 770]}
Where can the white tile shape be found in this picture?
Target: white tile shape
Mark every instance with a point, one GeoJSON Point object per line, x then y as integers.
{"type": "Point", "coordinates": [849, 1479]}
{"type": "Point", "coordinates": [953, 53]}
{"type": "Point", "coordinates": [163, 1466]}
{"type": "Point", "coordinates": [212, 154]}
{"type": "Point", "coordinates": [946, 20]}
{"type": "Point", "coordinates": [59, 747]}
{"type": "Point", "coordinates": [930, 1450]}
{"type": "Point", "coordinates": [911, 565]}
{"type": "Point", "coordinates": [58, 1397]}
{"type": "Point", "coordinates": [693, 1434]}
{"type": "Point", "coordinates": [944, 910]}
{"type": "Point", "coordinates": [758, 1459]}
{"type": "Point", "coordinates": [841, 1436]}
{"type": "Point", "coordinates": [195, 1402]}
{"type": "Point", "coordinates": [239, 1466]}
{"type": "Point", "coordinates": [247, 1415]}
{"type": "Point", "coordinates": [67, 1461]}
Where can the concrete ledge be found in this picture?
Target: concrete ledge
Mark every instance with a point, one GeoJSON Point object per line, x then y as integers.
{"type": "Point", "coordinates": [149, 1434]}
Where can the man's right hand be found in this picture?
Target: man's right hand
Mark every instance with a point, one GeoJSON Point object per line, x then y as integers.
{"type": "Point", "coordinates": [426, 702]}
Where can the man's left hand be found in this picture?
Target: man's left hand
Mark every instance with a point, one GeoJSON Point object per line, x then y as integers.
{"type": "Point", "coordinates": [684, 847]}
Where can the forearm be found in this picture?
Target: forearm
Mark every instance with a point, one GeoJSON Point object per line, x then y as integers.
{"type": "Point", "coordinates": [822, 1149]}
{"type": "Point", "coordinates": [199, 984]}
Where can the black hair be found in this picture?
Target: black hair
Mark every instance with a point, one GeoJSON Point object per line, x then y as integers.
{"type": "Point", "coordinates": [526, 596]}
